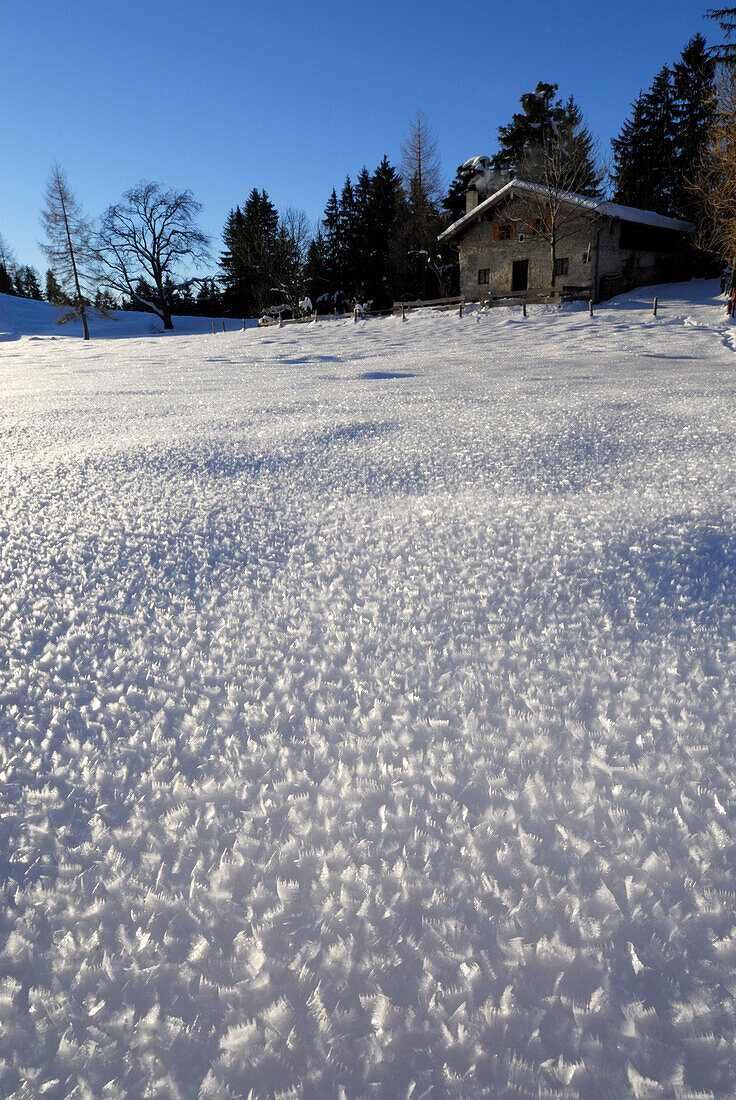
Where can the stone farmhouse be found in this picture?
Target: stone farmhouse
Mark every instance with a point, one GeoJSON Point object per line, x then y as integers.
{"type": "Point", "coordinates": [525, 238]}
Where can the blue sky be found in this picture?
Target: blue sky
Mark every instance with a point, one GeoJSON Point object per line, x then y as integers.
{"type": "Point", "coordinates": [228, 95]}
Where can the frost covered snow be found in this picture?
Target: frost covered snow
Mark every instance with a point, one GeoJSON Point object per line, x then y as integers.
{"type": "Point", "coordinates": [367, 705]}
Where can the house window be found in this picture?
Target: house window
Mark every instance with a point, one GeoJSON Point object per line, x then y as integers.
{"type": "Point", "coordinates": [507, 231]}
{"type": "Point", "coordinates": [561, 266]}
{"type": "Point", "coordinates": [483, 274]}
{"type": "Point", "coordinates": [539, 226]}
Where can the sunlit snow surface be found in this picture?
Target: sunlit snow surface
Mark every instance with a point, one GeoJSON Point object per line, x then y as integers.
{"type": "Point", "coordinates": [368, 700]}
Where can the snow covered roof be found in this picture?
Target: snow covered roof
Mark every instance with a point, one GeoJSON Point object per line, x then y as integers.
{"type": "Point", "coordinates": [592, 206]}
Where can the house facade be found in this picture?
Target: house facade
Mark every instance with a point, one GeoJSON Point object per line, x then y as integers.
{"type": "Point", "coordinates": [526, 238]}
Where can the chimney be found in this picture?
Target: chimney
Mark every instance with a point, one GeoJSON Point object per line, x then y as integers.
{"type": "Point", "coordinates": [471, 200]}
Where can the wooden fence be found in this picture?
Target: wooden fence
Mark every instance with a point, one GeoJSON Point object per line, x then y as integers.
{"type": "Point", "coordinates": [356, 314]}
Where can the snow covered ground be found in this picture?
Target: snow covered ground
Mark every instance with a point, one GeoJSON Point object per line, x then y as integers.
{"type": "Point", "coordinates": [368, 708]}
{"type": "Point", "coordinates": [23, 317]}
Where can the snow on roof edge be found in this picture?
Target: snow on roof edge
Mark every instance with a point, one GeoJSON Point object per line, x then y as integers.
{"type": "Point", "coordinates": [593, 206]}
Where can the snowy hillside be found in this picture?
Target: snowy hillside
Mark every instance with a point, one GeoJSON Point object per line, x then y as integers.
{"type": "Point", "coordinates": [367, 703]}
{"type": "Point", "coordinates": [24, 317]}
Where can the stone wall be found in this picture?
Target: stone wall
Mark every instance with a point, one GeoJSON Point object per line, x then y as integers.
{"type": "Point", "coordinates": [479, 251]}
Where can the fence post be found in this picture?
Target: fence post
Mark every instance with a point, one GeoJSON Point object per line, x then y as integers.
{"type": "Point", "coordinates": [315, 317]}
{"type": "Point", "coordinates": [523, 307]}
{"type": "Point", "coordinates": [654, 310]}
{"type": "Point", "coordinates": [244, 324]}
{"type": "Point", "coordinates": [590, 306]}
{"type": "Point", "coordinates": [223, 327]}
{"type": "Point", "coordinates": [355, 315]}
{"type": "Point", "coordinates": [462, 303]}
{"type": "Point", "coordinates": [403, 311]}
{"type": "Point", "coordinates": [281, 323]}
{"type": "Point", "coordinates": [213, 328]}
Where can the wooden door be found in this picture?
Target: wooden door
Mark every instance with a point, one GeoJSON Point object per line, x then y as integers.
{"type": "Point", "coordinates": [520, 275]}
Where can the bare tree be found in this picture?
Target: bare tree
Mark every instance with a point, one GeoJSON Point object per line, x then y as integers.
{"type": "Point", "coordinates": [145, 239]}
{"type": "Point", "coordinates": [69, 246]}
{"type": "Point", "coordinates": [420, 159]}
{"type": "Point", "coordinates": [8, 267]}
{"type": "Point", "coordinates": [559, 170]}
{"type": "Point", "coordinates": [294, 237]}
{"type": "Point", "coordinates": [7, 257]}
{"type": "Point", "coordinates": [715, 182]}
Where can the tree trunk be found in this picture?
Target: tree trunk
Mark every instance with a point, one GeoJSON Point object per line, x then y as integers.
{"type": "Point", "coordinates": [80, 298]}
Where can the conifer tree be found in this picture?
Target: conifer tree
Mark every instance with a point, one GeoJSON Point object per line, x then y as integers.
{"type": "Point", "coordinates": [26, 283]}
{"type": "Point", "coordinates": [349, 241]}
{"type": "Point", "coordinates": [7, 285]}
{"type": "Point", "coordinates": [69, 245]}
{"type": "Point", "coordinates": [316, 274]}
{"type": "Point", "coordinates": [54, 293]}
{"type": "Point", "coordinates": [454, 201]}
{"type": "Point", "coordinates": [333, 243]}
{"type": "Point", "coordinates": [726, 19]}
{"type": "Point", "coordinates": [384, 215]}
{"type": "Point", "coordinates": [362, 193]}
{"type": "Point", "coordinates": [645, 153]}
{"type": "Point", "coordinates": [251, 239]}
{"type": "Point", "coordinates": [631, 177]}
{"type": "Point", "coordinates": [694, 107]}
{"type": "Point", "coordinates": [547, 129]}
{"type": "Point", "coordinates": [658, 147]}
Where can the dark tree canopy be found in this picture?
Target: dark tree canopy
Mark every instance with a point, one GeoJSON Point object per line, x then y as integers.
{"type": "Point", "coordinates": [546, 127]}
{"type": "Point", "coordinates": [726, 19]}
{"type": "Point", "coordinates": [659, 145]}
{"type": "Point", "coordinates": [251, 243]}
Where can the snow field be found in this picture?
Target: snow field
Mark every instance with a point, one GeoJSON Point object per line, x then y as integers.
{"type": "Point", "coordinates": [367, 708]}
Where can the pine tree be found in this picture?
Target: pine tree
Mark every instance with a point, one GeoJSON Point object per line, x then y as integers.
{"type": "Point", "coordinates": [384, 215]}
{"type": "Point", "coordinates": [454, 200]}
{"type": "Point", "coordinates": [658, 147]}
{"type": "Point", "coordinates": [54, 294]}
{"type": "Point", "coordinates": [69, 246]}
{"type": "Point", "coordinates": [548, 129]}
{"type": "Point", "coordinates": [250, 257]}
{"type": "Point", "coordinates": [349, 241]}
{"type": "Point", "coordinates": [645, 153]}
{"type": "Point", "coordinates": [333, 244]}
{"type": "Point", "coordinates": [726, 19]}
{"type": "Point", "coordinates": [694, 108]}
{"type": "Point", "coordinates": [362, 194]}
{"type": "Point", "coordinates": [26, 283]}
{"type": "Point", "coordinates": [631, 183]}
{"type": "Point", "coordinates": [6, 280]}
{"type": "Point", "coordinates": [316, 272]}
